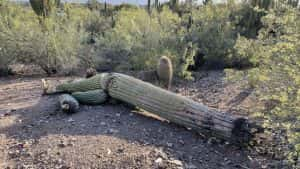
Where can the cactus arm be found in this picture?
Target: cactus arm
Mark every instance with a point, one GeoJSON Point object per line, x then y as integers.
{"type": "Point", "coordinates": [68, 103]}
{"type": "Point", "coordinates": [92, 83]}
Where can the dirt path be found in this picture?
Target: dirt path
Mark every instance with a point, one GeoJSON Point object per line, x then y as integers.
{"type": "Point", "coordinates": [33, 134]}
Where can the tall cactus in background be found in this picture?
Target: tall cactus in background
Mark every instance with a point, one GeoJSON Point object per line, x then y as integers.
{"type": "Point", "coordinates": [44, 7]}
{"type": "Point", "coordinates": [156, 4]}
{"type": "Point", "coordinates": [149, 6]}
{"type": "Point", "coordinates": [206, 2]}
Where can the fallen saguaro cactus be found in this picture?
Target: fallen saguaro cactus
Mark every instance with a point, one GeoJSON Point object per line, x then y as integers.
{"type": "Point", "coordinates": [68, 103]}
{"type": "Point", "coordinates": [170, 106]}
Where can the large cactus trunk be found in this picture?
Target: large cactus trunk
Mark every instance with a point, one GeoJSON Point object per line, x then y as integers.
{"type": "Point", "coordinates": [168, 105]}
{"type": "Point", "coordinates": [178, 109]}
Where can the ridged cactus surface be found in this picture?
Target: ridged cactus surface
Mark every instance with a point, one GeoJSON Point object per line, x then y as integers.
{"type": "Point", "coordinates": [92, 97]}
{"type": "Point", "coordinates": [177, 109]}
{"type": "Point", "coordinates": [92, 83]}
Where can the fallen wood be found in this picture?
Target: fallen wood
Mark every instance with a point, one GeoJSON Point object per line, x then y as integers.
{"type": "Point", "coordinates": [68, 104]}
{"type": "Point", "coordinates": [173, 107]}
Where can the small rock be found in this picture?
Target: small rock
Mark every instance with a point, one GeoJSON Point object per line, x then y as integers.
{"type": "Point", "coordinates": [190, 166]}
{"type": "Point", "coordinates": [102, 123]}
{"type": "Point", "coordinates": [14, 154]}
{"type": "Point", "coordinates": [112, 131]}
{"type": "Point", "coordinates": [118, 114]}
{"type": "Point", "coordinates": [61, 144]}
{"type": "Point", "coordinates": [176, 162]}
{"type": "Point", "coordinates": [70, 120]}
{"type": "Point", "coordinates": [120, 150]}
{"type": "Point", "coordinates": [108, 151]}
{"type": "Point", "coordinates": [169, 144]}
{"type": "Point", "coordinates": [159, 162]}
{"type": "Point", "coordinates": [160, 153]}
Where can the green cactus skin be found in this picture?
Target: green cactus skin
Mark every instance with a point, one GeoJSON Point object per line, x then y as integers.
{"type": "Point", "coordinates": [165, 71]}
{"type": "Point", "coordinates": [92, 83]}
{"type": "Point", "coordinates": [68, 104]}
{"type": "Point", "coordinates": [92, 97]}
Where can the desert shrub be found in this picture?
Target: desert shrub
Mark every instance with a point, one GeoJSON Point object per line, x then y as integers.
{"type": "Point", "coordinates": [245, 53]}
{"type": "Point", "coordinates": [6, 55]}
{"type": "Point", "coordinates": [247, 17]}
{"type": "Point", "coordinates": [53, 45]}
{"type": "Point", "coordinates": [214, 34]}
{"type": "Point", "coordinates": [139, 39]}
{"type": "Point", "coordinates": [277, 77]}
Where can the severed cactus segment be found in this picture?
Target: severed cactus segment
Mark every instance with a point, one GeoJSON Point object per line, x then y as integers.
{"type": "Point", "coordinates": [92, 97]}
{"type": "Point", "coordinates": [92, 83]}
{"type": "Point", "coordinates": [68, 104]}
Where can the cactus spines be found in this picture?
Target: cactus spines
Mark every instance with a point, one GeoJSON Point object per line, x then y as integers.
{"type": "Point", "coordinates": [165, 71]}
{"type": "Point", "coordinates": [68, 104]}
{"type": "Point", "coordinates": [92, 97]}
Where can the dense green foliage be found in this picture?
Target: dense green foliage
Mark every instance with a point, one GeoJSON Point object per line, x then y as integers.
{"type": "Point", "coordinates": [277, 78]}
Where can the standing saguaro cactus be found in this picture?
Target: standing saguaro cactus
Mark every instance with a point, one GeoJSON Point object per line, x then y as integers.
{"type": "Point", "coordinates": [44, 7]}
{"type": "Point", "coordinates": [149, 6]}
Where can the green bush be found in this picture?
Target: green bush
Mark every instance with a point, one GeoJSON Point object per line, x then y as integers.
{"type": "Point", "coordinates": [54, 45]}
{"type": "Point", "coordinates": [277, 77]}
{"type": "Point", "coordinates": [139, 39]}
{"type": "Point", "coordinates": [214, 34]}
